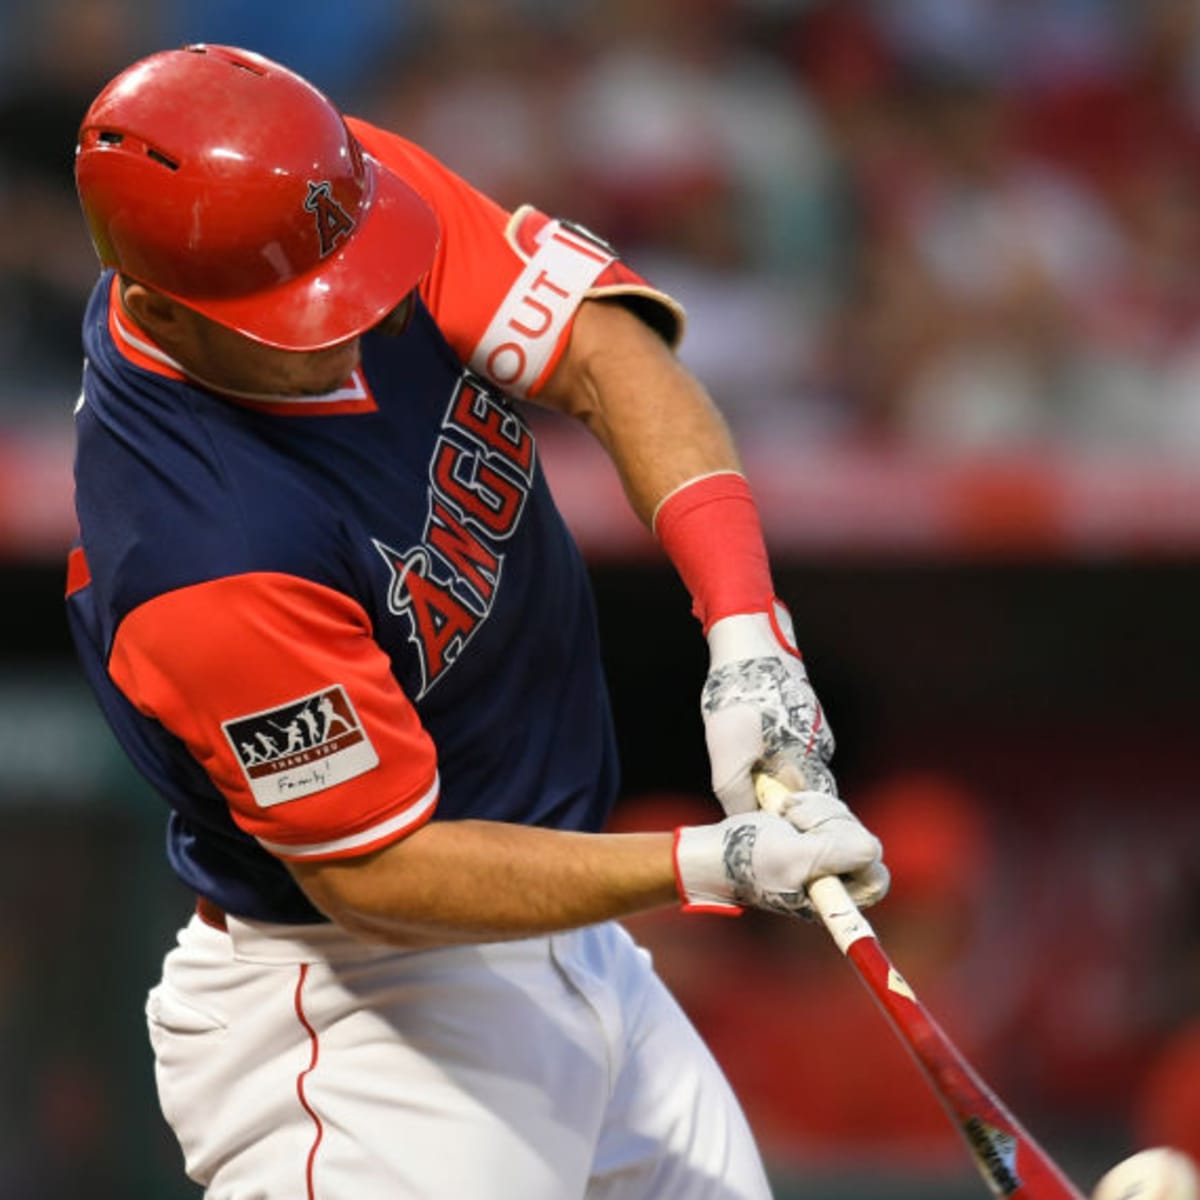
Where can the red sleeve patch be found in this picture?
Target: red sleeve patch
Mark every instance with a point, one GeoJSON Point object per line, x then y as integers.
{"type": "Point", "coordinates": [278, 689]}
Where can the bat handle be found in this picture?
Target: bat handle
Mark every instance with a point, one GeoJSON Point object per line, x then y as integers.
{"type": "Point", "coordinates": [839, 914]}
{"type": "Point", "coordinates": [828, 895]}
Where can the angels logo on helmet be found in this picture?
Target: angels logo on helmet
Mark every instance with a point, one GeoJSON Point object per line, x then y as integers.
{"type": "Point", "coordinates": [333, 221]}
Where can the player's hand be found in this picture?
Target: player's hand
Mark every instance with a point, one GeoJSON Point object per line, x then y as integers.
{"type": "Point", "coordinates": [762, 860]}
{"type": "Point", "coordinates": [813, 811]}
{"type": "Point", "coordinates": [760, 711]}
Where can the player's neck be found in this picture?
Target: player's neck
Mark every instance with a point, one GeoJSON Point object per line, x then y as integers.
{"type": "Point", "coordinates": [143, 341]}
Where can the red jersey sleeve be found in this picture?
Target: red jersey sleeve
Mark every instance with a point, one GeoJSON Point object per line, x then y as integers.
{"type": "Point", "coordinates": [279, 691]}
{"type": "Point", "coordinates": [504, 287]}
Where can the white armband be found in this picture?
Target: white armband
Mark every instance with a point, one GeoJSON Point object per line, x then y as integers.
{"type": "Point", "coordinates": [539, 306]}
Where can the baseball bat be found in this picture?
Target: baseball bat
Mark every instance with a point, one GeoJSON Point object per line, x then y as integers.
{"type": "Point", "coordinates": [1012, 1163]}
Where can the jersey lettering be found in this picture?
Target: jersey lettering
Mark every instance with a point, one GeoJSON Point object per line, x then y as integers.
{"type": "Point", "coordinates": [441, 623]}
{"type": "Point", "coordinates": [494, 426]}
{"type": "Point", "coordinates": [484, 496]}
{"type": "Point", "coordinates": [470, 559]}
{"type": "Point", "coordinates": [480, 475]}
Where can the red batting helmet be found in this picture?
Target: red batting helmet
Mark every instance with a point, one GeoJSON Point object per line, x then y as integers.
{"type": "Point", "coordinates": [231, 184]}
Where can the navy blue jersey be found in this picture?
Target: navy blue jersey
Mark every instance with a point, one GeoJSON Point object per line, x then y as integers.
{"type": "Point", "coordinates": [313, 625]}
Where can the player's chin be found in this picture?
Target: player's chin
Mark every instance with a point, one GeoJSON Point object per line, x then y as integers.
{"type": "Point", "coordinates": [397, 321]}
{"type": "Point", "coordinates": [325, 371]}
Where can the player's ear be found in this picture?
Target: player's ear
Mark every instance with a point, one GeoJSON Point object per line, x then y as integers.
{"type": "Point", "coordinates": [148, 309]}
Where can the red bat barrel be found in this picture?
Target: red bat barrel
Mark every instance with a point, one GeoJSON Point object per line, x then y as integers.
{"type": "Point", "coordinates": [1011, 1161]}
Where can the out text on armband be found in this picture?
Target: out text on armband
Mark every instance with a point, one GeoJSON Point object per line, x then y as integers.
{"type": "Point", "coordinates": [564, 260]}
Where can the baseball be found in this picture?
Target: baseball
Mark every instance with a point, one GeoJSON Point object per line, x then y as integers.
{"type": "Point", "coordinates": [1158, 1174]}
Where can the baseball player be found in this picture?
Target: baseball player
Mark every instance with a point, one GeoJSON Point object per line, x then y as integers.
{"type": "Point", "coordinates": [329, 609]}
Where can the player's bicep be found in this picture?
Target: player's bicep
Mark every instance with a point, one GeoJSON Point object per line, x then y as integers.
{"type": "Point", "coordinates": [279, 691]}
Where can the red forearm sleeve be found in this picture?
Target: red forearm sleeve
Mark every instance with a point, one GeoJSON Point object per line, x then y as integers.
{"type": "Point", "coordinates": [709, 528]}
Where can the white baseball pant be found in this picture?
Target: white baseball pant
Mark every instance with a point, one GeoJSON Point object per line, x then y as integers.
{"type": "Point", "coordinates": [295, 1062]}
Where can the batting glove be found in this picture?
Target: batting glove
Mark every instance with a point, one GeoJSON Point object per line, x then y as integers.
{"type": "Point", "coordinates": [762, 860]}
{"type": "Point", "coordinates": [759, 709]}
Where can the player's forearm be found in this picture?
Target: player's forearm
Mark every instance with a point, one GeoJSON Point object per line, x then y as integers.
{"type": "Point", "coordinates": [475, 881]}
{"type": "Point", "coordinates": [649, 412]}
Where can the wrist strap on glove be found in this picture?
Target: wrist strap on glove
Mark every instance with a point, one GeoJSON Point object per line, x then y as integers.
{"type": "Point", "coordinates": [701, 893]}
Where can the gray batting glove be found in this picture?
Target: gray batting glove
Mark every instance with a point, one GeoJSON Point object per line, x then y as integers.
{"type": "Point", "coordinates": [759, 709]}
{"type": "Point", "coordinates": [762, 860]}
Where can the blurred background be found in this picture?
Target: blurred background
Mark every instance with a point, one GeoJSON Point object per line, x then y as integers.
{"type": "Point", "coordinates": [942, 265]}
